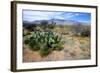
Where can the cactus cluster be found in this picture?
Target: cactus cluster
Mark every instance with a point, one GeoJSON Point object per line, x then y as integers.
{"type": "Point", "coordinates": [44, 42]}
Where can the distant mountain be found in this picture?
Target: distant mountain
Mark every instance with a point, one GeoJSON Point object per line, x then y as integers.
{"type": "Point", "coordinates": [65, 22]}
{"type": "Point", "coordinates": [56, 21]}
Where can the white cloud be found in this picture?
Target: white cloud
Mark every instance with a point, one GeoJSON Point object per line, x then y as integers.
{"type": "Point", "coordinates": [38, 15]}
{"type": "Point", "coordinates": [71, 15]}
{"type": "Point", "coordinates": [30, 15]}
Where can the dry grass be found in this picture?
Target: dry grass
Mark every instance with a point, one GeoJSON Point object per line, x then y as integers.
{"type": "Point", "coordinates": [75, 48]}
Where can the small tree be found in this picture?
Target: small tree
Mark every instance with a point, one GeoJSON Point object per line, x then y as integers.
{"type": "Point", "coordinates": [85, 33]}
{"type": "Point", "coordinates": [44, 24]}
{"type": "Point", "coordinates": [52, 25]}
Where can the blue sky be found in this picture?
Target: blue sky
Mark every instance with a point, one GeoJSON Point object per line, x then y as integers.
{"type": "Point", "coordinates": [29, 15]}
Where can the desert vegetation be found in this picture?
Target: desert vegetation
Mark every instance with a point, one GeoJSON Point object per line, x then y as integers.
{"type": "Point", "coordinates": [45, 42]}
{"type": "Point", "coordinates": [49, 41]}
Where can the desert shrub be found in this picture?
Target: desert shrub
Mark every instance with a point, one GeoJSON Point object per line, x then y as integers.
{"type": "Point", "coordinates": [44, 24]}
{"type": "Point", "coordinates": [38, 28]}
{"type": "Point", "coordinates": [77, 28]}
{"type": "Point", "coordinates": [25, 32]}
{"type": "Point", "coordinates": [26, 41]}
{"type": "Point", "coordinates": [45, 42]}
{"type": "Point", "coordinates": [81, 30]}
{"type": "Point", "coordinates": [85, 33]}
{"type": "Point", "coordinates": [30, 27]}
{"type": "Point", "coordinates": [45, 51]}
{"type": "Point", "coordinates": [52, 25]}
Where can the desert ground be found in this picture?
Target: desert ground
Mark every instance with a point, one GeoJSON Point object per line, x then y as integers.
{"type": "Point", "coordinates": [74, 48]}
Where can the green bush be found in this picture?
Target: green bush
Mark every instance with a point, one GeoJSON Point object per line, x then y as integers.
{"type": "Point", "coordinates": [85, 33]}
{"type": "Point", "coordinates": [26, 40]}
{"type": "Point", "coordinates": [45, 51]}
{"type": "Point", "coordinates": [45, 42]}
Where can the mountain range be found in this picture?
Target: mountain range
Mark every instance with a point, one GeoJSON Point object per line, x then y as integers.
{"type": "Point", "coordinates": [56, 21]}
